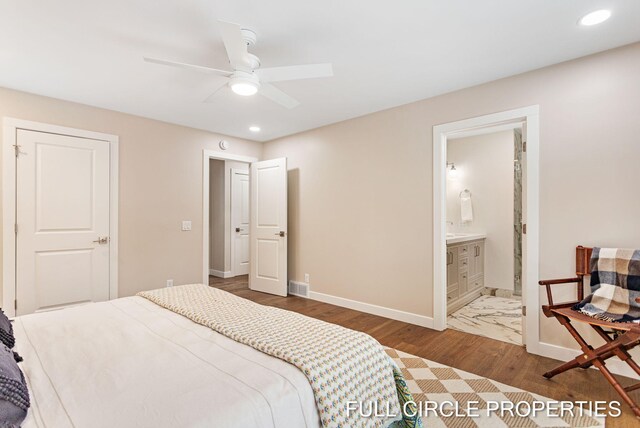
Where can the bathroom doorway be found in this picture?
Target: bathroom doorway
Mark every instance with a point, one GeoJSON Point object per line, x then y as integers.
{"type": "Point", "coordinates": [472, 251]}
{"type": "Point", "coordinates": [484, 234]}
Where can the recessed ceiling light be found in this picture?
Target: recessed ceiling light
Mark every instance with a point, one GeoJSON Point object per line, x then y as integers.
{"type": "Point", "coordinates": [595, 17]}
{"type": "Point", "coordinates": [254, 128]}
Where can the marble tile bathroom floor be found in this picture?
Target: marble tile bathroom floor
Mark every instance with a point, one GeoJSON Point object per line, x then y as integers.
{"type": "Point", "coordinates": [494, 317]}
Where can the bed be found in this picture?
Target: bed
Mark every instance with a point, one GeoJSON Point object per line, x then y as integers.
{"type": "Point", "coordinates": [193, 356]}
{"type": "Point", "coordinates": [152, 367]}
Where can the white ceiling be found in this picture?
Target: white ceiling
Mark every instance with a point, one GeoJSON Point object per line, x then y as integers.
{"type": "Point", "coordinates": [385, 53]}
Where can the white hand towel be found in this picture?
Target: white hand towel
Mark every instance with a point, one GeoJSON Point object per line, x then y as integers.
{"type": "Point", "coordinates": [466, 210]}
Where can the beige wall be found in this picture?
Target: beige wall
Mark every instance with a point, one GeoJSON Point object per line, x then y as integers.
{"type": "Point", "coordinates": [360, 212]}
{"type": "Point", "coordinates": [217, 210]}
{"type": "Point", "coordinates": [485, 167]}
{"type": "Point", "coordinates": [160, 185]}
{"type": "Point", "coordinates": [360, 200]}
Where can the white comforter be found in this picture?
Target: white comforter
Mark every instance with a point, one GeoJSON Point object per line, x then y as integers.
{"type": "Point", "coordinates": [129, 362]}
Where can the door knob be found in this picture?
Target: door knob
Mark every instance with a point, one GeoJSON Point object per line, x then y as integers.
{"type": "Point", "coordinates": [237, 229]}
{"type": "Point", "coordinates": [281, 234]}
{"type": "Point", "coordinates": [102, 240]}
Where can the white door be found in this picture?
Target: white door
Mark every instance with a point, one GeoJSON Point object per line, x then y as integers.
{"type": "Point", "coordinates": [268, 234]}
{"type": "Point", "coordinates": [62, 213]}
{"type": "Point", "coordinates": [240, 221]}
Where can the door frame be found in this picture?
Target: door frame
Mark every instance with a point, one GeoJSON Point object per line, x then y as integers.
{"type": "Point", "coordinates": [474, 126]}
{"type": "Point", "coordinates": [9, 140]}
{"type": "Point", "coordinates": [207, 155]}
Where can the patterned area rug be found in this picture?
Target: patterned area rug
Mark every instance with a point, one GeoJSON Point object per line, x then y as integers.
{"type": "Point", "coordinates": [436, 383]}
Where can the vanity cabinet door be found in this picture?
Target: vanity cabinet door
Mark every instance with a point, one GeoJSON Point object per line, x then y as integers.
{"type": "Point", "coordinates": [472, 259]}
{"type": "Point", "coordinates": [452, 269]}
{"type": "Point", "coordinates": [478, 253]}
{"type": "Point", "coordinates": [476, 258]}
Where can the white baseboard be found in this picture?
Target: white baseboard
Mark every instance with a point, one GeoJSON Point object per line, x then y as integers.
{"type": "Point", "coordinates": [220, 274]}
{"type": "Point", "coordinates": [393, 314]}
{"type": "Point", "coordinates": [561, 353]}
{"type": "Point", "coordinates": [544, 349]}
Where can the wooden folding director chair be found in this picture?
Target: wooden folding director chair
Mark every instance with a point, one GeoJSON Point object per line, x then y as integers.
{"type": "Point", "coordinates": [618, 337]}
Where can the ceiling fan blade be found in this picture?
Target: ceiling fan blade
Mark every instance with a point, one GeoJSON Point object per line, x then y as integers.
{"type": "Point", "coordinates": [295, 72]}
{"type": "Point", "coordinates": [211, 98]}
{"type": "Point", "coordinates": [234, 44]}
{"type": "Point", "coordinates": [192, 67]}
{"type": "Point", "coordinates": [277, 96]}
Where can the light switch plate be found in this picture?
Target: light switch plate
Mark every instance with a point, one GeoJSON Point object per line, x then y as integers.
{"type": "Point", "coordinates": [186, 225]}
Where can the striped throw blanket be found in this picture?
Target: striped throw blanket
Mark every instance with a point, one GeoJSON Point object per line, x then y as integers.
{"type": "Point", "coordinates": [342, 365]}
{"type": "Point", "coordinates": [615, 286]}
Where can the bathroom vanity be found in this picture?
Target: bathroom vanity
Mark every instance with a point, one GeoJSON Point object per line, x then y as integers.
{"type": "Point", "coordinates": [465, 269]}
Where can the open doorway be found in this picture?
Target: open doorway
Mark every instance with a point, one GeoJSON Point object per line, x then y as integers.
{"type": "Point", "coordinates": [473, 253]}
{"type": "Point", "coordinates": [229, 225]}
{"type": "Point", "coordinates": [484, 234]}
{"type": "Point", "coordinates": [259, 221]}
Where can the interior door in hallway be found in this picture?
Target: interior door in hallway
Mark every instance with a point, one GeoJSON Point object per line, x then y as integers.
{"type": "Point", "coordinates": [269, 226]}
{"type": "Point", "coordinates": [240, 220]}
{"type": "Point", "coordinates": [62, 216]}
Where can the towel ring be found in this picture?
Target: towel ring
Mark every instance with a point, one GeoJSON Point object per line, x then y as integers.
{"type": "Point", "coordinates": [465, 191]}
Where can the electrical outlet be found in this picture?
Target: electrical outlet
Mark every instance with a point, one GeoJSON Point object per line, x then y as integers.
{"type": "Point", "coordinates": [186, 225]}
{"type": "Point", "coordinates": [306, 278]}
{"type": "Point", "coordinates": [169, 282]}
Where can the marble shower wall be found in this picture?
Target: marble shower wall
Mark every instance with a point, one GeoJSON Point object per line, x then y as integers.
{"type": "Point", "coordinates": [517, 212]}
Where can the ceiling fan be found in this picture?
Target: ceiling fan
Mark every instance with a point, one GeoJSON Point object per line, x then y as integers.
{"type": "Point", "coordinates": [247, 78]}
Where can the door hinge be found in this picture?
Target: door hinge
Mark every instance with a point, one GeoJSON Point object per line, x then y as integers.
{"type": "Point", "coordinates": [16, 149]}
{"type": "Point", "coordinates": [524, 228]}
{"type": "Point", "coordinates": [15, 304]}
{"type": "Point", "coordinates": [15, 228]}
{"type": "Point", "coordinates": [524, 311]}
{"type": "Point", "coordinates": [524, 146]}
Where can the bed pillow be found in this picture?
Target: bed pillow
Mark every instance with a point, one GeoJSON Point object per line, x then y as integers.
{"type": "Point", "coordinates": [14, 396]}
{"type": "Point", "coordinates": [6, 331]}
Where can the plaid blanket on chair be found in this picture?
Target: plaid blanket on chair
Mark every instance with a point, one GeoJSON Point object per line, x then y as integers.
{"type": "Point", "coordinates": [615, 286]}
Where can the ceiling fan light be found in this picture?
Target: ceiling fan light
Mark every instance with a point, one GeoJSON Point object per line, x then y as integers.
{"type": "Point", "coordinates": [244, 88]}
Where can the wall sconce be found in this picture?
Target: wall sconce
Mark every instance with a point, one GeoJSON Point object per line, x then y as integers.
{"type": "Point", "coordinates": [452, 171]}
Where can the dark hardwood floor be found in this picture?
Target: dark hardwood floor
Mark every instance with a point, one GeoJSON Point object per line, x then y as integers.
{"type": "Point", "coordinates": [501, 361]}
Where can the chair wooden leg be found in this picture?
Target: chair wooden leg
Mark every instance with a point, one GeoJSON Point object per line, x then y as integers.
{"type": "Point", "coordinates": [576, 362]}
{"type": "Point", "coordinates": [632, 387]}
{"type": "Point", "coordinates": [620, 353]}
{"type": "Point", "coordinates": [616, 385]}
{"type": "Point", "coordinates": [563, 368]}
{"type": "Point", "coordinates": [597, 356]}
{"type": "Point", "coordinates": [632, 364]}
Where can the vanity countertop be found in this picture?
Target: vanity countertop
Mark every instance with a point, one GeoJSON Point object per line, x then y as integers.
{"type": "Point", "coordinates": [456, 238]}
